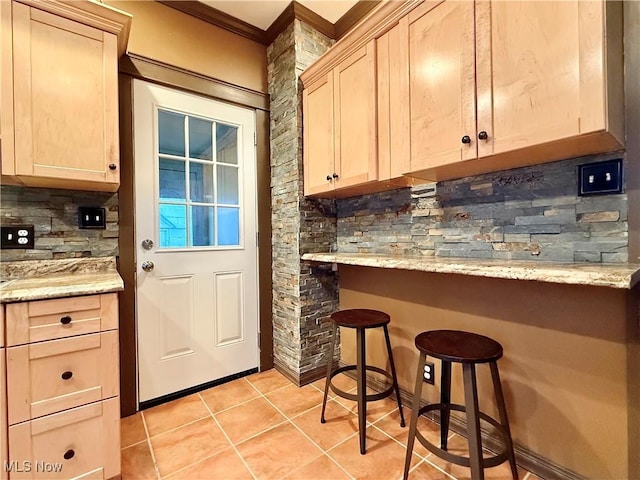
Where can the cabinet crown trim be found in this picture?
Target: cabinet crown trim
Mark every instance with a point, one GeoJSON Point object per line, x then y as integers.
{"type": "Point", "coordinates": [93, 14]}
{"type": "Point", "coordinates": [377, 23]}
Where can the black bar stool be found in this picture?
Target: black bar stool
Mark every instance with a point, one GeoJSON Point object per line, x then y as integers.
{"type": "Point", "coordinates": [469, 349]}
{"type": "Point", "coordinates": [361, 320]}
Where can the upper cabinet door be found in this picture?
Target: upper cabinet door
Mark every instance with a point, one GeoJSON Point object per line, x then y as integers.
{"type": "Point", "coordinates": [539, 72]}
{"type": "Point", "coordinates": [356, 156]}
{"type": "Point", "coordinates": [65, 99]}
{"type": "Point", "coordinates": [317, 105]}
{"type": "Point", "coordinates": [442, 84]}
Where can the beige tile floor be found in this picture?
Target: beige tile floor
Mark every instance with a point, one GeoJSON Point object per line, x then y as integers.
{"type": "Point", "coordinates": [263, 427]}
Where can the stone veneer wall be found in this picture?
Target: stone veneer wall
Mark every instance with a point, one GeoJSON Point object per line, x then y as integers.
{"type": "Point", "coordinates": [302, 297]}
{"type": "Point", "coordinates": [530, 213]}
{"type": "Point", "coordinates": [54, 214]}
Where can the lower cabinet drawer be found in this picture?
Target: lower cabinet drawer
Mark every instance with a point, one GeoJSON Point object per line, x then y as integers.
{"type": "Point", "coordinates": [47, 377]}
{"type": "Point", "coordinates": [83, 442]}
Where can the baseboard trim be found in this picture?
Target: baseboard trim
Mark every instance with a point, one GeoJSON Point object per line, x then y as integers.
{"type": "Point", "coordinates": [525, 458]}
{"type": "Point", "coordinates": [301, 379]}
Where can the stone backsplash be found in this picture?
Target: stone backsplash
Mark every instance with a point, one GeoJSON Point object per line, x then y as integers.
{"type": "Point", "coordinates": [531, 213]}
{"type": "Point", "coordinates": [54, 214]}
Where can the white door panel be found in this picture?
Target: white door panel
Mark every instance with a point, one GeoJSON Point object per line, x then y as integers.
{"type": "Point", "coordinates": [197, 307]}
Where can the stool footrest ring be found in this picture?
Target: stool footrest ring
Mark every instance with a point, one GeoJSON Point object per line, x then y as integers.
{"type": "Point", "coordinates": [372, 397]}
{"type": "Point", "coordinates": [490, 461]}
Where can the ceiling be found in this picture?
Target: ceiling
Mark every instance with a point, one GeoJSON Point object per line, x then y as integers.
{"type": "Point", "coordinates": [262, 13]}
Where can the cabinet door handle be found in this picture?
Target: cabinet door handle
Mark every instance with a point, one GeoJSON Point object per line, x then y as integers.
{"type": "Point", "coordinates": [66, 320]}
{"type": "Point", "coordinates": [483, 135]}
{"type": "Point", "coordinates": [67, 375]}
{"type": "Point", "coordinates": [69, 454]}
{"type": "Point", "coordinates": [466, 139]}
{"type": "Point", "coordinates": [335, 175]}
{"type": "Point", "coordinates": [112, 166]}
{"type": "Point", "coordinates": [328, 178]}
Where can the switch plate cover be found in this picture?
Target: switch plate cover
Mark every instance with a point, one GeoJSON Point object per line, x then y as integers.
{"type": "Point", "coordinates": [92, 217]}
{"type": "Point", "coordinates": [16, 236]}
{"type": "Point", "coordinates": [600, 178]}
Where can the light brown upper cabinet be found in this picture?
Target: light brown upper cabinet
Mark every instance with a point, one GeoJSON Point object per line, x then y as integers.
{"type": "Point", "coordinates": [340, 125]}
{"type": "Point", "coordinates": [355, 118]}
{"type": "Point", "coordinates": [60, 93]}
{"type": "Point", "coordinates": [496, 85]}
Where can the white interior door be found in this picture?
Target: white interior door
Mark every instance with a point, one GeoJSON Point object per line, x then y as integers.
{"type": "Point", "coordinates": [196, 254]}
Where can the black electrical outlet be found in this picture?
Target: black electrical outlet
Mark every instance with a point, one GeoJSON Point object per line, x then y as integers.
{"type": "Point", "coordinates": [600, 178]}
{"type": "Point", "coordinates": [16, 236]}
{"type": "Point", "coordinates": [429, 373]}
{"type": "Point", "coordinates": [92, 217]}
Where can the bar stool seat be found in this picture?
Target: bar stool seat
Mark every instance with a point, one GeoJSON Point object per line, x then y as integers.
{"type": "Point", "coordinates": [361, 320]}
{"type": "Point", "coordinates": [469, 349]}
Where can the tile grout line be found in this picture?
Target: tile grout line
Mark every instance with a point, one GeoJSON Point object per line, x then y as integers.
{"type": "Point", "coordinates": [324, 452]}
{"type": "Point", "coordinates": [153, 455]}
{"type": "Point", "coordinates": [171, 430]}
{"type": "Point", "coordinates": [228, 439]}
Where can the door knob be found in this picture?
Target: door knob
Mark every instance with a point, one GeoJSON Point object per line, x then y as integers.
{"type": "Point", "coordinates": [335, 175]}
{"type": "Point", "coordinates": [328, 178]}
{"type": "Point", "coordinates": [466, 139]}
{"type": "Point", "coordinates": [147, 244]}
{"type": "Point", "coordinates": [483, 135]}
{"type": "Point", "coordinates": [112, 166]}
{"type": "Point", "coordinates": [147, 266]}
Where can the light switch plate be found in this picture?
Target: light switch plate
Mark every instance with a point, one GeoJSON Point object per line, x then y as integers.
{"type": "Point", "coordinates": [600, 178]}
{"type": "Point", "coordinates": [92, 217]}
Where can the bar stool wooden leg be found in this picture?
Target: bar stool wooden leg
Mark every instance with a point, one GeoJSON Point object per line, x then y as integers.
{"type": "Point", "coordinates": [393, 374]}
{"type": "Point", "coordinates": [361, 373]}
{"type": "Point", "coordinates": [445, 399]}
{"type": "Point", "coordinates": [332, 343]}
{"type": "Point", "coordinates": [504, 420]}
{"type": "Point", "coordinates": [473, 421]}
{"type": "Point", "coordinates": [413, 424]}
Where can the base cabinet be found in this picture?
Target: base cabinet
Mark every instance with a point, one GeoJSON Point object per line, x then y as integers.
{"type": "Point", "coordinates": [80, 443]}
{"type": "Point", "coordinates": [3, 402]}
{"type": "Point", "coordinates": [62, 390]}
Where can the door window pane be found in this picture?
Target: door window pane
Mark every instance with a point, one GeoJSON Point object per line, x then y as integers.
{"type": "Point", "coordinates": [227, 185]}
{"type": "Point", "coordinates": [201, 182]}
{"type": "Point", "coordinates": [202, 226]}
{"type": "Point", "coordinates": [172, 179]}
{"type": "Point", "coordinates": [228, 226]}
{"type": "Point", "coordinates": [171, 133]}
{"type": "Point", "coordinates": [173, 225]}
{"type": "Point", "coordinates": [200, 138]}
{"type": "Point", "coordinates": [226, 144]}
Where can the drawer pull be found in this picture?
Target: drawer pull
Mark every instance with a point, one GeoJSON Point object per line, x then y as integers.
{"type": "Point", "coordinates": [68, 455]}
{"type": "Point", "coordinates": [67, 375]}
{"type": "Point", "coordinates": [66, 320]}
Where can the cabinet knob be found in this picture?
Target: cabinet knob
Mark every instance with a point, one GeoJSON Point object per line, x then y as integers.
{"type": "Point", "coordinates": [466, 139]}
{"type": "Point", "coordinates": [335, 175]}
{"type": "Point", "coordinates": [67, 375]}
{"type": "Point", "coordinates": [66, 320]}
{"type": "Point", "coordinates": [112, 166]}
{"type": "Point", "coordinates": [69, 454]}
{"type": "Point", "coordinates": [328, 178]}
{"type": "Point", "coordinates": [483, 135]}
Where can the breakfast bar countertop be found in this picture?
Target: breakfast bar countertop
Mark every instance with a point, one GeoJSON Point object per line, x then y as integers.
{"type": "Point", "coordinates": [613, 275]}
{"type": "Point", "coordinates": [43, 279]}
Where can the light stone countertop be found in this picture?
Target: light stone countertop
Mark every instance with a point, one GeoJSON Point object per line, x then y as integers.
{"type": "Point", "coordinates": [43, 279]}
{"type": "Point", "coordinates": [622, 275]}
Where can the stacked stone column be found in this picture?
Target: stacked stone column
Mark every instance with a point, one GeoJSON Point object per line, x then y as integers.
{"type": "Point", "coordinates": [303, 296]}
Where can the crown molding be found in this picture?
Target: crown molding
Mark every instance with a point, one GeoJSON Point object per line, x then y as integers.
{"type": "Point", "coordinates": [216, 17]}
{"type": "Point", "coordinates": [294, 10]}
{"type": "Point", "coordinates": [353, 16]}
